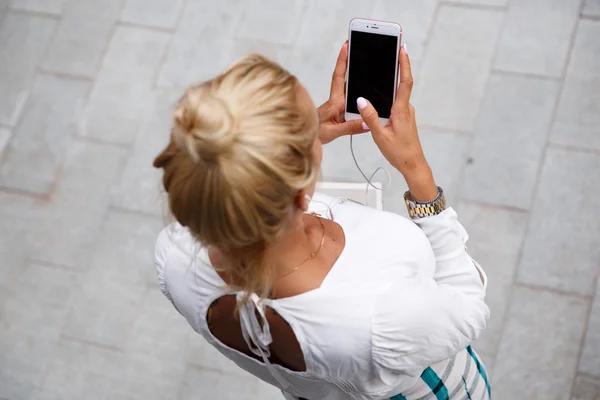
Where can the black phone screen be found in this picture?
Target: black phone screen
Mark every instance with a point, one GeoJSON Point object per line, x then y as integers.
{"type": "Point", "coordinates": [371, 71]}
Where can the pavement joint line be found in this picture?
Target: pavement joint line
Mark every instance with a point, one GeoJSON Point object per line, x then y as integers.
{"type": "Point", "coordinates": [102, 142]}
{"type": "Point", "coordinates": [560, 292]}
{"type": "Point", "coordinates": [53, 265]}
{"type": "Point", "coordinates": [502, 72]}
{"type": "Point", "coordinates": [574, 149]}
{"type": "Point", "coordinates": [589, 17]}
{"type": "Point", "coordinates": [476, 6]}
{"type": "Point", "coordinates": [152, 28]}
{"type": "Point", "coordinates": [123, 210]}
{"type": "Point", "coordinates": [91, 343]}
{"type": "Point", "coordinates": [26, 193]}
{"type": "Point", "coordinates": [492, 205]}
{"type": "Point", "coordinates": [65, 75]}
{"type": "Point", "coordinates": [34, 13]}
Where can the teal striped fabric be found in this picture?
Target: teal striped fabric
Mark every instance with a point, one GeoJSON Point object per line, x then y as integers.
{"type": "Point", "coordinates": [462, 378]}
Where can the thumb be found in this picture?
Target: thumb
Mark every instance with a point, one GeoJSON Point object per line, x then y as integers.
{"type": "Point", "coordinates": [369, 115]}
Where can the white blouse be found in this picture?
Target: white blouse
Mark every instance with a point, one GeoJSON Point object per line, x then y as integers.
{"type": "Point", "coordinates": [402, 296]}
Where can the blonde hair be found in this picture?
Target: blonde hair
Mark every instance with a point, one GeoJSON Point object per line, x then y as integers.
{"type": "Point", "coordinates": [240, 152]}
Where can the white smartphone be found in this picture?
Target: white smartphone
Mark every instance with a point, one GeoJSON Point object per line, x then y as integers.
{"type": "Point", "coordinates": [372, 73]}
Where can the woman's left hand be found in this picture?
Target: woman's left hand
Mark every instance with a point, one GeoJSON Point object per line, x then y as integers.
{"type": "Point", "coordinates": [331, 113]}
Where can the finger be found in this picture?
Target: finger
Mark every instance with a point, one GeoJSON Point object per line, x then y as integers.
{"type": "Point", "coordinates": [338, 81]}
{"type": "Point", "coordinates": [406, 80]}
{"type": "Point", "coordinates": [369, 115]}
{"type": "Point", "coordinates": [349, 128]}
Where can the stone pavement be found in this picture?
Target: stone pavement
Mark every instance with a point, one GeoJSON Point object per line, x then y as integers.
{"type": "Point", "coordinates": [508, 100]}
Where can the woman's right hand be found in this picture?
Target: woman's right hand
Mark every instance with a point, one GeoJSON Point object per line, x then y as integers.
{"type": "Point", "coordinates": [398, 140]}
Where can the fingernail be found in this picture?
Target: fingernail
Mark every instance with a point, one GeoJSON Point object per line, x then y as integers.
{"type": "Point", "coordinates": [364, 126]}
{"type": "Point", "coordinates": [405, 49]}
{"type": "Point", "coordinates": [361, 103]}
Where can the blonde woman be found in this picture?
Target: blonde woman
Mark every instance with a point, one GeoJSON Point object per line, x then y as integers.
{"type": "Point", "coordinates": [354, 303]}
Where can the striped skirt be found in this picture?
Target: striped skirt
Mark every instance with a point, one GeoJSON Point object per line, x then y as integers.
{"type": "Point", "coordinates": [461, 378]}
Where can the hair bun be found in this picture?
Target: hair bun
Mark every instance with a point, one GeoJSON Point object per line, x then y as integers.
{"type": "Point", "coordinates": [203, 125]}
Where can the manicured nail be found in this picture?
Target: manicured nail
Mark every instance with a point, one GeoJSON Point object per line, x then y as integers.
{"type": "Point", "coordinates": [365, 127]}
{"type": "Point", "coordinates": [405, 49]}
{"type": "Point", "coordinates": [361, 103]}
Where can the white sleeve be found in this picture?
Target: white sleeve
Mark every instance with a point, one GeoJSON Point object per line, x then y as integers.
{"type": "Point", "coordinates": [418, 322]}
{"type": "Point", "coordinates": [429, 319]}
{"type": "Point", "coordinates": [161, 250]}
{"type": "Point", "coordinates": [454, 266]}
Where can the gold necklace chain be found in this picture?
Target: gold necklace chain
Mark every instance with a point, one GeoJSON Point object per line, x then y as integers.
{"type": "Point", "coordinates": [314, 253]}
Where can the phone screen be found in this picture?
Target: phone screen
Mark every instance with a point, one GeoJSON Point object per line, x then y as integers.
{"type": "Point", "coordinates": [372, 70]}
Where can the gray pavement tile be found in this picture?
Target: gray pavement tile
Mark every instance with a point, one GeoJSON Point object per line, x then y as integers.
{"type": "Point", "coordinates": [123, 91]}
{"type": "Point", "coordinates": [157, 319]}
{"type": "Point", "coordinates": [76, 208]}
{"type": "Point", "coordinates": [540, 346]}
{"type": "Point", "coordinates": [23, 359]}
{"type": "Point", "coordinates": [510, 138]}
{"type": "Point", "coordinates": [451, 66]}
{"type": "Point", "coordinates": [497, 251]}
{"type": "Point", "coordinates": [590, 356]}
{"type": "Point", "coordinates": [155, 13]}
{"type": "Point", "coordinates": [146, 377]}
{"type": "Point", "coordinates": [140, 187]}
{"type": "Point", "coordinates": [494, 3]}
{"type": "Point", "coordinates": [591, 8]}
{"type": "Point", "coordinates": [23, 42]}
{"type": "Point", "coordinates": [215, 385]}
{"type": "Point", "coordinates": [38, 299]}
{"type": "Point", "coordinates": [205, 32]}
{"type": "Point", "coordinates": [531, 42]}
{"type": "Point", "coordinates": [45, 6]}
{"type": "Point", "coordinates": [415, 17]}
{"type": "Point", "coordinates": [586, 388]}
{"type": "Point", "coordinates": [577, 120]}
{"type": "Point", "coordinates": [80, 40]}
{"type": "Point", "coordinates": [5, 135]}
{"type": "Point", "coordinates": [272, 20]}
{"type": "Point", "coordinates": [329, 19]}
{"type": "Point", "coordinates": [80, 371]}
{"type": "Point", "coordinates": [40, 140]}
{"type": "Point", "coordinates": [121, 266]}
{"type": "Point", "coordinates": [562, 248]}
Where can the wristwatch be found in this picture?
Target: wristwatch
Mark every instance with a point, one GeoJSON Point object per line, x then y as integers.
{"type": "Point", "coordinates": [419, 209]}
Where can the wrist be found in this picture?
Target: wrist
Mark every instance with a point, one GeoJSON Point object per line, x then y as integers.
{"type": "Point", "coordinates": [421, 184]}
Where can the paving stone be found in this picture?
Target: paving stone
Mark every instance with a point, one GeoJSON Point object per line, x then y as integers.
{"type": "Point", "coordinates": [272, 20]}
{"type": "Point", "coordinates": [140, 187]}
{"type": "Point", "coordinates": [591, 8]}
{"type": "Point", "coordinates": [81, 371]}
{"type": "Point", "coordinates": [577, 118]}
{"type": "Point", "coordinates": [121, 266]}
{"type": "Point", "coordinates": [43, 6]}
{"type": "Point", "coordinates": [329, 19]}
{"type": "Point", "coordinates": [5, 135]}
{"type": "Point", "coordinates": [205, 32]}
{"type": "Point", "coordinates": [451, 66]}
{"type": "Point", "coordinates": [539, 348]}
{"type": "Point", "coordinates": [23, 41]}
{"type": "Point", "coordinates": [493, 3]}
{"type": "Point", "coordinates": [37, 149]}
{"type": "Point", "coordinates": [77, 206]}
{"type": "Point", "coordinates": [215, 385]}
{"type": "Point", "coordinates": [510, 138]}
{"type": "Point", "coordinates": [590, 356]}
{"type": "Point", "coordinates": [123, 91]}
{"type": "Point", "coordinates": [586, 388]}
{"type": "Point", "coordinates": [415, 17]}
{"type": "Point", "coordinates": [497, 250]}
{"type": "Point", "coordinates": [80, 40]}
{"type": "Point", "coordinates": [146, 377]}
{"type": "Point", "coordinates": [531, 42]}
{"type": "Point", "coordinates": [38, 299]}
{"type": "Point", "coordinates": [562, 248]}
{"type": "Point", "coordinates": [155, 13]}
